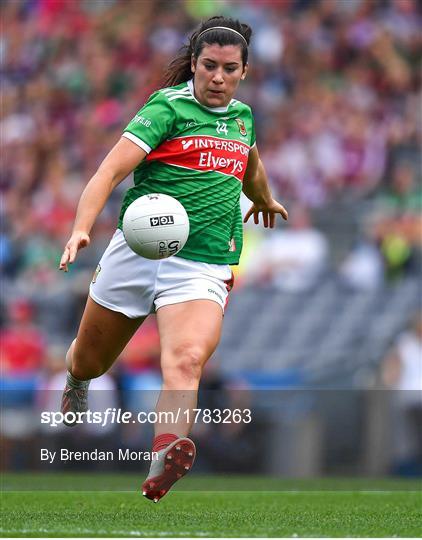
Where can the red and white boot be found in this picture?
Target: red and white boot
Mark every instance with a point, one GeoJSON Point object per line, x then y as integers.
{"type": "Point", "coordinates": [173, 463]}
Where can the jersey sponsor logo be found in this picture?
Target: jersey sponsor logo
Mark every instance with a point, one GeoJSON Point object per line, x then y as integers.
{"type": "Point", "coordinates": [235, 147]}
{"type": "Point", "coordinates": [204, 153]}
{"type": "Point", "coordinates": [208, 161]}
{"type": "Point", "coordinates": [187, 144]}
{"type": "Point", "coordinates": [161, 220]}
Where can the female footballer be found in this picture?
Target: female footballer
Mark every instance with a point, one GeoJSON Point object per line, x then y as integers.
{"type": "Point", "coordinates": [191, 140]}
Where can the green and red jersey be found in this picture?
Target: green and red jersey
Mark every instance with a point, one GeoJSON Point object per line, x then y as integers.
{"type": "Point", "coordinates": [198, 155]}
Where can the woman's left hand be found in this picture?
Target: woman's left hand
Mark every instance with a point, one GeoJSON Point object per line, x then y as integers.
{"type": "Point", "coordinates": [268, 211]}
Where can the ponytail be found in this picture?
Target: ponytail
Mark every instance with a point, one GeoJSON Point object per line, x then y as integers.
{"type": "Point", "coordinates": [179, 69]}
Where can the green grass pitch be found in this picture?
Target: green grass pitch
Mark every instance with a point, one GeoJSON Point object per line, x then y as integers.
{"type": "Point", "coordinates": [33, 505]}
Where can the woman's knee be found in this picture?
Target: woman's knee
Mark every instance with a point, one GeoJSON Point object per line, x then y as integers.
{"type": "Point", "coordinates": [84, 366]}
{"type": "Point", "coordinates": [183, 364]}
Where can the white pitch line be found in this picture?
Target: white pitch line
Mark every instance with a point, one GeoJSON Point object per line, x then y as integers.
{"type": "Point", "coordinates": [284, 492]}
{"type": "Point", "coordinates": [138, 534]}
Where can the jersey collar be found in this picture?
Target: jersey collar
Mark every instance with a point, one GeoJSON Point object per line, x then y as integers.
{"type": "Point", "coordinates": [212, 109]}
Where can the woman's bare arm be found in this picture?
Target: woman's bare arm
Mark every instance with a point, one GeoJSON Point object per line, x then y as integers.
{"type": "Point", "coordinates": [118, 163]}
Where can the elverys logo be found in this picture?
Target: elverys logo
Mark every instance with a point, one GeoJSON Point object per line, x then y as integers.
{"type": "Point", "coordinates": [161, 220]}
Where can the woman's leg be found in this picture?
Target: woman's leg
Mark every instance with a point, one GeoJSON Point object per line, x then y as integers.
{"type": "Point", "coordinates": [189, 334]}
{"type": "Point", "coordinates": [102, 336]}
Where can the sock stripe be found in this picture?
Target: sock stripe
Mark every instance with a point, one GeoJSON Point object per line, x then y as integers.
{"type": "Point", "coordinates": [162, 441]}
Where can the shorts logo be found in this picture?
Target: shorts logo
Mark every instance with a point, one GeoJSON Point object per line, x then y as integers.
{"type": "Point", "coordinates": [161, 220]}
{"type": "Point", "coordinates": [97, 271]}
{"type": "Point", "coordinates": [216, 294]}
{"type": "Point", "coordinates": [241, 126]}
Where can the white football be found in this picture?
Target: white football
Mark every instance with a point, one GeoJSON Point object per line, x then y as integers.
{"type": "Point", "coordinates": [156, 226]}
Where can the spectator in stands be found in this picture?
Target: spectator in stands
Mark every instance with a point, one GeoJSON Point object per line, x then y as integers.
{"type": "Point", "coordinates": [292, 258]}
{"type": "Point", "coordinates": [142, 353]}
{"type": "Point", "coordinates": [22, 352]}
{"type": "Point", "coordinates": [402, 371]}
{"type": "Point", "coordinates": [404, 196]}
{"type": "Point", "coordinates": [363, 267]}
{"type": "Point", "coordinates": [400, 223]}
{"type": "Point", "coordinates": [22, 343]}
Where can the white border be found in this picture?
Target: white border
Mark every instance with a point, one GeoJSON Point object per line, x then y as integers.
{"type": "Point", "coordinates": [139, 142]}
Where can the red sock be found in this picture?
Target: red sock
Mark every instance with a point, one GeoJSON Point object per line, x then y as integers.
{"type": "Point", "coordinates": [162, 441]}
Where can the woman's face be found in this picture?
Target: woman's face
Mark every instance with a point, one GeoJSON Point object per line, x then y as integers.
{"type": "Point", "coordinates": [218, 71]}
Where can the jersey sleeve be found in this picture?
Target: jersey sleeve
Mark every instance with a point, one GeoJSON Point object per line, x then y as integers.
{"type": "Point", "coordinates": [253, 135]}
{"type": "Point", "coordinates": [152, 124]}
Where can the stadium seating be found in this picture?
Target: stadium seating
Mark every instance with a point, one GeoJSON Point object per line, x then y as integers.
{"type": "Point", "coordinates": [331, 329]}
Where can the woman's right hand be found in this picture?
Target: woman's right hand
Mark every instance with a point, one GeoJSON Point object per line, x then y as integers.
{"type": "Point", "coordinates": [77, 241]}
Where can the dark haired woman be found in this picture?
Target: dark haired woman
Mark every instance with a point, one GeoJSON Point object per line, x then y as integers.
{"type": "Point", "coordinates": [193, 141]}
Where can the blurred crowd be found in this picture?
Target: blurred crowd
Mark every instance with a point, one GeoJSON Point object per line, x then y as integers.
{"type": "Point", "coordinates": [334, 86]}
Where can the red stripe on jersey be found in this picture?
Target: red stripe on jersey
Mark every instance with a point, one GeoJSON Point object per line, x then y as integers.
{"type": "Point", "coordinates": [204, 153]}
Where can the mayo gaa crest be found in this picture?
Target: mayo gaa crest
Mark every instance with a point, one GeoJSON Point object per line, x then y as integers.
{"type": "Point", "coordinates": [241, 124]}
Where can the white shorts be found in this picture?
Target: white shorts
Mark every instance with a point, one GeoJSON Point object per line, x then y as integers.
{"type": "Point", "coordinates": [134, 286]}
